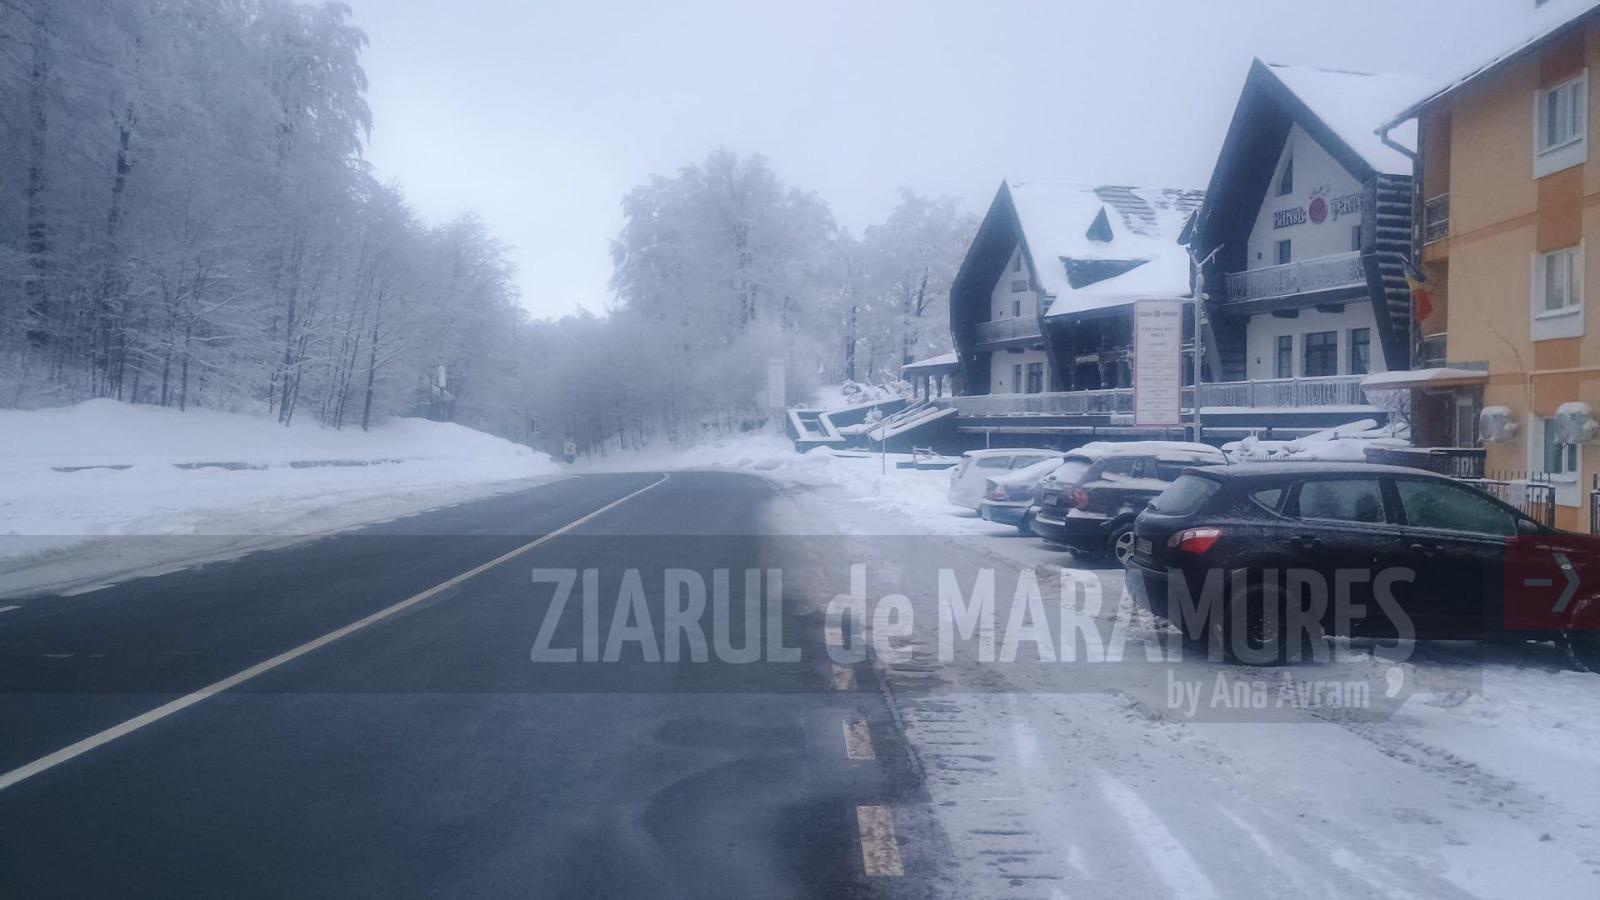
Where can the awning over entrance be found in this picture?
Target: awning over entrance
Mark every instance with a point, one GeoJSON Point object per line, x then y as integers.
{"type": "Point", "coordinates": [1423, 378]}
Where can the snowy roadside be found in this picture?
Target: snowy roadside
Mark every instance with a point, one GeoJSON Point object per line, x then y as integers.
{"type": "Point", "coordinates": [1057, 780]}
{"type": "Point", "coordinates": [95, 492]}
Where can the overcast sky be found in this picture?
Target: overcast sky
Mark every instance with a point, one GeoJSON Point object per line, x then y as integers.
{"type": "Point", "coordinates": [541, 115]}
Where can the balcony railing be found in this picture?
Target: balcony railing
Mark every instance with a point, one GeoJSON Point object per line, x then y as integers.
{"type": "Point", "coordinates": [1435, 218]}
{"type": "Point", "coordinates": [1304, 276]}
{"type": "Point", "coordinates": [1000, 331]}
{"type": "Point", "coordinates": [1281, 393]}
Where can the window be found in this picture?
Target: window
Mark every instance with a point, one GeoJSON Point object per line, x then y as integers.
{"type": "Point", "coordinates": [1028, 459]}
{"type": "Point", "coordinates": [1285, 179]}
{"type": "Point", "coordinates": [1185, 496]}
{"type": "Point", "coordinates": [1285, 362]}
{"type": "Point", "coordinates": [1561, 115]}
{"type": "Point", "coordinates": [1284, 253]}
{"type": "Point", "coordinates": [1344, 500]}
{"type": "Point", "coordinates": [1121, 467]}
{"type": "Point", "coordinates": [1559, 459]}
{"type": "Point", "coordinates": [1035, 378]}
{"type": "Point", "coordinates": [1016, 262]}
{"type": "Point", "coordinates": [994, 462]}
{"type": "Point", "coordinates": [1355, 237]}
{"type": "Point", "coordinates": [1559, 126]}
{"type": "Point", "coordinates": [1360, 350]}
{"type": "Point", "coordinates": [1434, 504]}
{"type": "Point", "coordinates": [1558, 284]}
{"type": "Point", "coordinates": [1016, 378]}
{"type": "Point", "coordinates": [1016, 307]}
{"type": "Point", "coordinates": [1321, 353]}
{"type": "Point", "coordinates": [1268, 498]}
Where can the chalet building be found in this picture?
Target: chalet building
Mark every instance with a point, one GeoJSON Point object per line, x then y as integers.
{"type": "Point", "coordinates": [1043, 301]}
{"type": "Point", "coordinates": [1509, 199]}
{"type": "Point", "coordinates": [1305, 224]}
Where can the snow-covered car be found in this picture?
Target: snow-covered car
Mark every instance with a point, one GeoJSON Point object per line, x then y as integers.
{"type": "Point", "coordinates": [977, 466]}
{"type": "Point", "coordinates": [1089, 504]}
{"type": "Point", "coordinates": [1008, 499]}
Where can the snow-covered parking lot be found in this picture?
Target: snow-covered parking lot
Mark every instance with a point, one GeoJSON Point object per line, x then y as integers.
{"type": "Point", "coordinates": [1482, 773]}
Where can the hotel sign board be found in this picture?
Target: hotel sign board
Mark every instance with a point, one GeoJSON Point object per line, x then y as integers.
{"type": "Point", "coordinates": [1158, 362]}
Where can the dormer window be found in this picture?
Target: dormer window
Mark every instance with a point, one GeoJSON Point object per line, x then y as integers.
{"type": "Point", "coordinates": [1286, 178]}
{"type": "Point", "coordinates": [1100, 229]}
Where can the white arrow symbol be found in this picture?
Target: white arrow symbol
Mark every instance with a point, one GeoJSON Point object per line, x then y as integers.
{"type": "Point", "coordinates": [1572, 581]}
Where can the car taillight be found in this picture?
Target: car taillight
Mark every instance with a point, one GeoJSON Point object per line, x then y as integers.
{"type": "Point", "coordinates": [1080, 498]}
{"type": "Point", "coordinates": [1194, 540]}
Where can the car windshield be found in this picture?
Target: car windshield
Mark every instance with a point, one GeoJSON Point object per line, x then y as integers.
{"type": "Point", "coordinates": [799, 449]}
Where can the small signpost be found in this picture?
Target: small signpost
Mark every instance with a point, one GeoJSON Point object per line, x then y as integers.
{"type": "Point", "coordinates": [1158, 362]}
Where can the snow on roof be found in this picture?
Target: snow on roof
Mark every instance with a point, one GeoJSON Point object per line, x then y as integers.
{"type": "Point", "coordinates": [1056, 219]}
{"type": "Point", "coordinates": [1107, 449]}
{"type": "Point", "coordinates": [1439, 377]}
{"type": "Point", "coordinates": [1545, 21]}
{"type": "Point", "coordinates": [1353, 105]}
{"type": "Point", "coordinates": [932, 362]}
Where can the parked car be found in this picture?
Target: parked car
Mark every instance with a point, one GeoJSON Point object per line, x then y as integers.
{"type": "Point", "coordinates": [1088, 504]}
{"type": "Point", "coordinates": [967, 479]}
{"type": "Point", "coordinates": [1008, 498]}
{"type": "Point", "coordinates": [1459, 546]}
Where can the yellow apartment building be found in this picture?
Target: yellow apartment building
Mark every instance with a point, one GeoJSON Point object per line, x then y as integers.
{"type": "Point", "coordinates": [1510, 200]}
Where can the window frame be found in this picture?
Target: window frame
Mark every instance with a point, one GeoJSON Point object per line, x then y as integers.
{"type": "Point", "coordinates": [1286, 177]}
{"type": "Point", "coordinates": [1404, 512]}
{"type": "Point", "coordinates": [1364, 343]}
{"type": "Point", "coordinates": [1567, 320]}
{"type": "Point", "coordinates": [1283, 357]}
{"type": "Point", "coordinates": [1573, 150]}
{"type": "Point", "coordinates": [1330, 350]}
{"type": "Point", "coordinates": [1283, 252]}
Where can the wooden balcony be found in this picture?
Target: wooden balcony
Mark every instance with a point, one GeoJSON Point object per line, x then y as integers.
{"type": "Point", "coordinates": [1309, 276]}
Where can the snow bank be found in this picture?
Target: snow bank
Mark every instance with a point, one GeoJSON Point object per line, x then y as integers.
{"type": "Point", "coordinates": [102, 468]}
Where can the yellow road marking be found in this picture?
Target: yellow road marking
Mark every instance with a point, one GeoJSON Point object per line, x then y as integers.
{"type": "Point", "coordinates": [70, 751]}
{"type": "Point", "coordinates": [858, 739]}
{"type": "Point", "coordinates": [880, 852]}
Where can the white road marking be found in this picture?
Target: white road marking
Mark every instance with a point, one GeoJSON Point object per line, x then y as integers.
{"type": "Point", "coordinates": [858, 739]}
{"type": "Point", "coordinates": [844, 678]}
{"type": "Point", "coordinates": [880, 852]}
{"type": "Point", "coordinates": [5, 609]}
{"type": "Point", "coordinates": [45, 763]}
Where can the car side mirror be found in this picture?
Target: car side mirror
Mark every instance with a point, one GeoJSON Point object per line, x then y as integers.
{"type": "Point", "coordinates": [1527, 527]}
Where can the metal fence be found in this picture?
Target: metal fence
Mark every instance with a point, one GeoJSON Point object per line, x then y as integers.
{"type": "Point", "coordinates": [1532, 494]}
{"type": "Point", "coordinates": [1594, 505]}
{"type": "Point", "coordinates": [1302, 276]}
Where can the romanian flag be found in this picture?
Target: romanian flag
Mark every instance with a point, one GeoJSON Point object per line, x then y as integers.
{"type": "Point", "coordinates": [1421, 303]}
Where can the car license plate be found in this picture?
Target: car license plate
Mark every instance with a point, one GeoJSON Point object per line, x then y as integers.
{"type": "Point", "coordinates": [1143, 547]}
{"type": "Point", "coordinates": [1049, 499]}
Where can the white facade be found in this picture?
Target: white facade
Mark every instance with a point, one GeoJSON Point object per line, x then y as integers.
{"type": "Point", "coordinates": [1008, 370]}
{"type": "Point", "coordinates": [1007, 301]}
{"type": "Point", "coordinates": [1003, 374]}
{"type": "Point", "coordinates": [1292, 217]}
{"type": "Point", "coordinates": [1263, 331]}
{"type": "Point", "coordinates": [1319, 215]}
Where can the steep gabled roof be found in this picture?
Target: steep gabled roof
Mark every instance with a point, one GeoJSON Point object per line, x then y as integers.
{"type": "Point", "coordinates": [1093, 246]}
{"type": "Point", "coordinates": [1339, 110]}
{"type": "Point", "coordinates": [1352, 105]}
{"type": "Point", "coordinates": [1546, 22]}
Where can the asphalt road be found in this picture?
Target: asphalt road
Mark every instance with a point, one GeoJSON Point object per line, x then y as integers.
{"type": "Point", "coordinates": [359, 716]}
